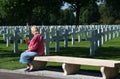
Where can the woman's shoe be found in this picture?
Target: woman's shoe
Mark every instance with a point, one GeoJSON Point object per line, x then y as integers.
{"type": "Point", "coordinates": [30, 70]}
{"type": "Point", "coordinates": [27, 69]}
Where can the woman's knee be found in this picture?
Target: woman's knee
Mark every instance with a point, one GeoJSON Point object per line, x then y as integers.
{"type": "Point", "coordinates": [23, 55]}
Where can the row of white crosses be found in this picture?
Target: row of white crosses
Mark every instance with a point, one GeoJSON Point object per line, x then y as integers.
{"type": "Point", "coordinates": [8, 35]}
{"type": "Point", "coordinates": [97, 34]}
{"type": "Point", "coordinates": [101, 35]}
{"type": "Point", "coordinates": [13, 33]}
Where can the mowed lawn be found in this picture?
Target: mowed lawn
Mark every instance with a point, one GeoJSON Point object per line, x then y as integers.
{"type": "Point", "coordinates": [110, 50]}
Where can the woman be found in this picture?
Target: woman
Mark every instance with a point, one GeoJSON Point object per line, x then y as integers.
{"type": "Point", "coordinates": [35, 48]}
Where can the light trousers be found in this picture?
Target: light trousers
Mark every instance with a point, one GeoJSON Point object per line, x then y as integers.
{"type": "Point", "coordinates": [27, 57]}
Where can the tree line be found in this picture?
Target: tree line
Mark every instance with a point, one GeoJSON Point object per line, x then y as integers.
{"type": "Point", "coordinates": [49, 12]}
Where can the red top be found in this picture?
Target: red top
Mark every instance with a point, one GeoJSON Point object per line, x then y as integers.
{"type": "Point", "coordinates": [36, 44]}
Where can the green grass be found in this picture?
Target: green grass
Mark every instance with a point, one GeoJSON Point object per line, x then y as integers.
{"type": "Point", "coordinates": [110, 50]}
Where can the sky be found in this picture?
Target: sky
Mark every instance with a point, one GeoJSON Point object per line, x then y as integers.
{"type": "Point", "coordinates": [65, 6]}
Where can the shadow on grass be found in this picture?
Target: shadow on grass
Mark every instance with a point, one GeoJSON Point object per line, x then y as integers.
{"type": "Point", "coordinates": [108, 53]}
{"type": "Point", "coordinates": [72, 51]}
{"type": "Point", "coordinates": [8, 53]}
{"type": "Point", "coordinates": [103, 52]}
{"type": "Point", "coordinates": [2, 42]}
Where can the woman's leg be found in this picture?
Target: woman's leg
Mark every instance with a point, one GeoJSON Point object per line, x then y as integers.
{"type": "Point", "coordinates": [27, 58]}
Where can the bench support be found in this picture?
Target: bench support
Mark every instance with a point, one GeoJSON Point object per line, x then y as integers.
{"type": "Point", "coordinates": [108, 72]}
{"type": "Point", "coordinates": [70, 68]}
{"type": "Point", "coordinates": [38, 64]}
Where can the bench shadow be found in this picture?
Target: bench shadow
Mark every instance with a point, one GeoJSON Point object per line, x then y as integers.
{"type": "Point", "coordinates": [90, 73]}
{"type": "Point", "coordinates": [81, 71]}
{"type": "Point", "coordinates": [93, 73]}
{"type": "Point", "coordinates": [54, 68]}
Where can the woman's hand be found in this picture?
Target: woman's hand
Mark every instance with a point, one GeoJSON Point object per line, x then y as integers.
{"type": "Point", "coordinates": [27, 51]}
{"type": "Point", "coordinates": [26, 40]}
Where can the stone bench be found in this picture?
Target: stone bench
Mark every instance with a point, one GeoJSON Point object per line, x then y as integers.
{"type": "Point", "coordinates": [109, 68]}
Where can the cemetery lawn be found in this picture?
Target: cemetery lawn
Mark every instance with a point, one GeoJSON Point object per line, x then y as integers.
{"type": "Point", "coordinates": [110, 50]}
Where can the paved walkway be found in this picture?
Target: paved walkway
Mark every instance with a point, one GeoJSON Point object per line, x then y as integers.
{"type": "Point", "coordinates": [8, 75]}
{"type": "Point", "coordinates": [49, 73]}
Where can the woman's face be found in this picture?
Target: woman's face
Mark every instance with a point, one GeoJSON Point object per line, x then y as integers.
{"type": "Point", "coordinates": [32, 31]}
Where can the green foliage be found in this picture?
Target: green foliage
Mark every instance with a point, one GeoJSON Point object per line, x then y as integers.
{"type": "Point", "coordinates": [110, 12]}
{"type": "Point", "coordinates": [117, 21]}
{"type": "Point", "coordinates": [66, 17]}
{"type": "Point", "coordinates": [20, 12]}
{"type": "Point", "coordinates": [89, 14]}
{"type": "Point", "coordinates": [49, 12]}
{"type": "Point", "coordinates": [114, 8]}
{"type": "Point", "coordinates": [3, 13]}
{"type": "Point", "coordinates": [107, 20]}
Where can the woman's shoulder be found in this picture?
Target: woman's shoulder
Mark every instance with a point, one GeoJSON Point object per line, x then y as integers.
{"type": "Point", "coordinates": [38, 35]}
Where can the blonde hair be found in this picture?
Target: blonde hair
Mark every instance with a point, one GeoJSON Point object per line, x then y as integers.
{"type": "Point", "coordinates": [34, 29]}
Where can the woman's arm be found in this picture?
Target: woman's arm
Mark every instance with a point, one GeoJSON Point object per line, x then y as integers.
{"type": "Point", "coordinates": [33, 44]}
{"type": "Point", "coordinates": [27, 41]}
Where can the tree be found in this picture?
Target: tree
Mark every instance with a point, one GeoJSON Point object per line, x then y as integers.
{"type": "Point", "coordinates": [18, 11]}
{"type": "Point", "coordinates": [110, 12]}
{"type": "Point", "coordinates": [90, 13]}
{"type": "Point", "coordinates": [76, 5]}
{"type": "Point", "coordinates": [21, 11]}
{"type": "Point", "coordinates": [49, 8]}
{"type": "Point", "coordinates": [3, 14]}
{"type": "Point", "coordinates": [114, 8]}
{"type": "Point", "coordinates": [69, 17]}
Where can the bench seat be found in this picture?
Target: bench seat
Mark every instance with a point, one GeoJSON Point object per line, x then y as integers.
{"type": "Point", "coordinates": [109, 68]}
